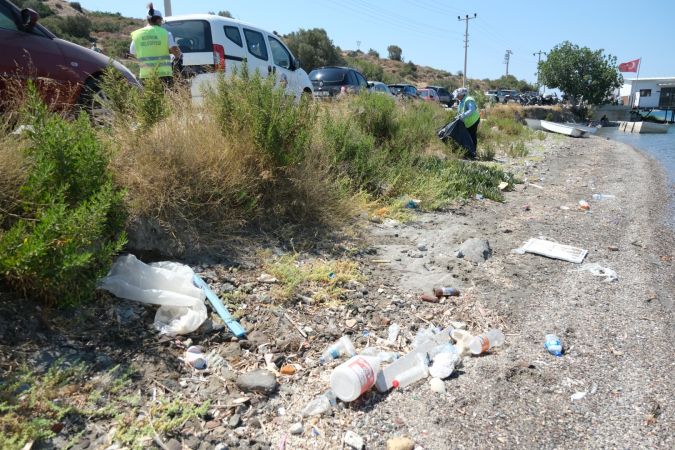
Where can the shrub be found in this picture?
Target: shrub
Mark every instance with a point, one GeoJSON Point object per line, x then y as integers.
{"type": "Point", "coordinates": [70, 229]}
{"type": "Point", "coordinates": [517, 150]}
{"type": "Point", "coordinates": [376, 115]}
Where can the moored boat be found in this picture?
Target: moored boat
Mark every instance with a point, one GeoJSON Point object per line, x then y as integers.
{"type": "Point", "coordinates": [561, 128]}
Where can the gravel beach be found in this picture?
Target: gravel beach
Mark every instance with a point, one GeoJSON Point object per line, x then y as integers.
{"type": "Point", "coordinates": [612, 387]}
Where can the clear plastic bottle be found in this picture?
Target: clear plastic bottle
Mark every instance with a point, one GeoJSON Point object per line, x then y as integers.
{"type": "Point", "coordinates": [354, 377]}
{"type": "Point", "coordinates": [394, 330]}
{"type": "Point", "coordinates": [484, 342]}
{"type": "Point", "coordinates": [598, 197]}
{"type": "Point", "coordinates": [321, 404]}
{"type": "Point", "coordinates": [413, 374]}
{"type": "Point", "coordinates": [342, 347]}
{"type": "Point", "coordinates": [553, 345]}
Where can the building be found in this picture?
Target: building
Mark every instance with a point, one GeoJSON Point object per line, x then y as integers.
{"type": "Point", "coordinates": [649, 93]}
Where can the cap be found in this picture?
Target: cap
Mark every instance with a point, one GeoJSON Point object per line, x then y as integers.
{"type": "Point", "coordinates": [460, 91]}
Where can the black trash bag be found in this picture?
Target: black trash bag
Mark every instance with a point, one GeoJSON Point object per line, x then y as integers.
{"type": "Point", "coordinates": [458, 132]}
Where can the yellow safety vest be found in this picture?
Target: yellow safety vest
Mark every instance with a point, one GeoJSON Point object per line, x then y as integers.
{"type": "Point", "coordinates": [152, 51]}
{"type": "Point", "coordinates": [474, 116]}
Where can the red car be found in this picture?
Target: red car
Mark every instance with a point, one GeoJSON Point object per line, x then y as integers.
{"type": "Point", "coordinates": [66, 74]}
{"type": "Point", "coordinates": [428, 95]}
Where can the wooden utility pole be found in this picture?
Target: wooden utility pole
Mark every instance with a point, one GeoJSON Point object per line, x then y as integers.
{"type": "Point", "coordinates": [466, 42]}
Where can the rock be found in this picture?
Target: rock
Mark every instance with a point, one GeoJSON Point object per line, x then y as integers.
{"type": "Point", "coordinates": [437, 385]}
{"type": "Point", "coordinates": [475, 250]}
{"type": "Point", "coordinates": [400, 443]}
{"type": "Point", "coordinates": [260, 380]}
{"type": "Point", "coordinates": [230, 350]}
{"type": "Point", "coordinates": [226, 288]}
{"type": "Point", "coordinates": [353, 440]}
{"type": "Point", "coordinates": [173, 444]}
{"type": "Point", "coordinates": [255, 339]}
{"type": "Point", "coordinates": [234, 421]}
{"type": "Point", "coordinates": [296, 429]}
{"type": "Point", "coordinates": [422, 247]}
{"type": "Point", "coordinates": [266, 278]}
{"type": "Point", "coordinates": [350, 323]}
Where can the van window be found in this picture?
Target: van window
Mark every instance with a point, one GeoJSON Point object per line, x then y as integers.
{"type": "Point", "coordinates": [279, 53]}
{"type": "Point", "coordinates": [7, 19]}
{"type": "Point", "coordinates": [255, 42]}
{"type": "Point", "coordinates": [233, 34]}
{"type": "Point", "coordinates": [191, 36]}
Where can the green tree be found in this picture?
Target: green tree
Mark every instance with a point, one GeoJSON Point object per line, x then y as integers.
{"type": "Point", "coordinates": [580, 72]}
{"type": "Point", "coordinates": [372, 52]}
{"type": "Point", "coordinates": [225, 14]}
{"type": "Point", "coordinates": [314, 48]}
{"type": "Point", "coordinates": [395, 52]}
{"type": "Point", "coordinates": [511, 82]}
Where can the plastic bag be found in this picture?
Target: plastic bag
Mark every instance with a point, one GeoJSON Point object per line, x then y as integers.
{"type": "Point", "coordinates": [168, 284]}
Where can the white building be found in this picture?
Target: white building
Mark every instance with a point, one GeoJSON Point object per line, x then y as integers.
{"type": "Point", "coordinates": [649, 93]}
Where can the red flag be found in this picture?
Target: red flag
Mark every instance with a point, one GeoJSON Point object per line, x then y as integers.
{"type": "Point", "coordinates": [630, 66]}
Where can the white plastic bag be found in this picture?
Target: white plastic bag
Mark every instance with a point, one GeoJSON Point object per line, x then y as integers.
{"type": "Point", "coordinates": [168, 284]}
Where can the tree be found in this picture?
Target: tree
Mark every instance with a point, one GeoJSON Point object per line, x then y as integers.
{"type": "Point", "coordinates": [225, 14]}
{"type": "Point", "coordinates": [395, 52]}
{"type": "Point", "coordinates": [313, 48]}
{"type": "Point", "coordinates": [511, 82]}
{"type": "Point", "coordinates": [580, 72]}
{"type": "Point", "coordinates": [372, 52]}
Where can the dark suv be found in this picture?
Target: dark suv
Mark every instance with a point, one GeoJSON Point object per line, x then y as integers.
{"type": "Point", "coordinates": [407, 91]}
{"type": "Point", "coordinates": [65, 73]}
{"type": "Point", "coordinates": [443, 95]}
{"type": "Point", "coordinates": [331, 81]}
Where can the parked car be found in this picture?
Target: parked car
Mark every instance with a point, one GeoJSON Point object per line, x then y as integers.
{"type": "Point", "coordinates": [506, 95]}
{"type": "Point", "coordinates": [404, 90]}
{"type": "Point", "coordinates": [213, 44]}
{"type": "Point", "coordinates": [428, 95]}
{"type": "Point", "coordinates": [444, 96]}
{"type": "Point", "coordinates": [491, 95]}
{"type": "Point", "coordinates": [331, 81]}
{"type": "Point", "coordinates": [66, 73]}
{"type": "Point", "coordinates": [380, 87]}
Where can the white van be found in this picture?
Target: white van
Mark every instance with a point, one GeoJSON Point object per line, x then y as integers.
{"type": "Point", "coordinates": [212, 44]}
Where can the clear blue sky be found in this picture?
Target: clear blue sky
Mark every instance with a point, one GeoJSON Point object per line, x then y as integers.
{"type": "Point", "coordinates": [430, 34]}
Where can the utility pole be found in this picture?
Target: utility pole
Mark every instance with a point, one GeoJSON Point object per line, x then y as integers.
{"type": "Point", "coordinates": [167, 8]}
{"type": "Point", "coordinates": [538, 54]}
{"type": "Point", "coordinates": [358, 45]}
{"type": "Point", "coordinates": [507, 57]}
{"type": "Point", "coordinates": [466, 43]}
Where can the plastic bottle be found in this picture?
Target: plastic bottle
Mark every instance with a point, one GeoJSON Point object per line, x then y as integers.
{"type": "Point", "coordinates": [384, 357]}
{"type": "Point", "coordinates": [354, 377]}
{"type": "Point", "coordinates": [442, 291]}
{"type": "Point", "coordinates": [413, 374]}
{"type": "Point", "coordinates": [341, 347]}
{"type": "Point", "coordinates": [553, 345]}
{"type": "Point", "coordinates": [484, 342]}
{"type": "Point", "coordinates": [602, 196]}
{"type": "Point", "coordinates": [321, 404]}
{"type": "Point", "coordinates": [392, 335]}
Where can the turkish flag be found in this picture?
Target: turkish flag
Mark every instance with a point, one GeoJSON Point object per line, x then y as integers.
{"type": "Point", "coordinates": [630, 66]}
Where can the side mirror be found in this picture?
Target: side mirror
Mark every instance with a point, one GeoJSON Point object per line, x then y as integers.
{"type": "Point", "coordinates": [295, 64]}
{"type": "Point", "coordinates": [28, 18]}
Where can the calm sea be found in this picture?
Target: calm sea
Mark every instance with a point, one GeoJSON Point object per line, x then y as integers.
{"type": "Point", "coordinates": [660, 146]}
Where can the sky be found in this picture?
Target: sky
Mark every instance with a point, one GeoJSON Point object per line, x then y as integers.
{"type": "Point", "coordinates": [430, 34]}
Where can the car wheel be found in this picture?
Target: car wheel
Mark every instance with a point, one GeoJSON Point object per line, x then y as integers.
{"type": "Point", "coordinates": [95, 103]}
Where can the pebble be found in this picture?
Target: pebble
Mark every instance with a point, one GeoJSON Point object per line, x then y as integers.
{"type": "Point", "coordinates": [353, 440]}
{"type": "Point", "coordinates": [437, 385]}
{"type": "Point", "coordinates": [267, 278]}
{"type": "Point", "coordinates": [260, 380]}
{"type": "Point", "coordinates": [351, 323]}
{"type": "Point", "coordinates": [422, 247]}
{"type": "Point", "coordinates": [234, 421]}
{"type": "Point", "coordinates": [296, 428]}
{"type": "Point", "coordinates": [400, 443]}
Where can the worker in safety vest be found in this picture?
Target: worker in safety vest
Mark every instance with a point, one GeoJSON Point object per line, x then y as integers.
{"type": "Point", "coordinates": [153, 46]}
{"type": "Point", "coordinates": [468, 112]}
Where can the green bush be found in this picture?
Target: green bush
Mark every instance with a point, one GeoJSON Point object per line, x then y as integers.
{"type": "Point", "coordinates": [71, 227]}
{"type": "Point", "coordinates": [376, 115]}
{"type": "Point", "coordinates": [36, 5]}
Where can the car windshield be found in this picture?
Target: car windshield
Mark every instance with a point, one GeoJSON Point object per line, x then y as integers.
{"type": "Point", "coordinates": [191, 36]}
{"type": "Point", "coordinates": [328, 75]}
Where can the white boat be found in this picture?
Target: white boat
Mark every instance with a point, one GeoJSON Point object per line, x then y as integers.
{"type": "Point", "coordinates": [534, 124]}
{"type": "Point", "coordinates": [561, 128]}
{"type": "Point", "coordinates": [584, 128]}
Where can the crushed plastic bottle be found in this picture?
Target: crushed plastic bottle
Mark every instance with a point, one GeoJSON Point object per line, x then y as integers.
{"type": "Point", "coordinates": [484, 342]}
{"type": "Point", "coordinates": [599, 197]}
{"type": "Point", "coordinates": [413, 374]}
{"type": "Point", "coordinates": [392, 334]}
{"type": "Point", "coordinates": [553, 345]}
{"type": "Point", "coordinates": [342, 347]}
{"type": "Point", "coordinates": [383, 356]}
{"type": "Point", "coordinates": [444, 364]}
{"type": "Point", "coordinates": [320, 405]}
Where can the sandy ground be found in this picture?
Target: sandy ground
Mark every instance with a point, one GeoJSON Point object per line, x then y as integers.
{"type": "Point", "coordinates": [618, 335]}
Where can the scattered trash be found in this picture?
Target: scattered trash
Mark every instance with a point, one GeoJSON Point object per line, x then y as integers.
{"type": "Point", "coordinates": [553, 345]}
{"type": "Point", "coordinates": [392, 332]}
{"type": "Point", "coordinates": [331, 275]}
{"type": "Point", "coordinates": [503, 185]}
{"type": "Point", "coordinates": [565, 208]}
{"type": "Point", "coordinates": [553, 250]}
{"type": "Point", "coordinates": [413, 203]}
{"type": "Point", "coordinates": [296, 429]}
{"type": "Point", "coordinates": [479, 197]}
{"type": "Point", "coordinates": [343, 347]}
{"type": "Point", "coordinates": [23, 129]}
{"type": "Point", "coordinates": [267, 279]}
{"type": "Point", "coordinates": [442, 291]}
{"type": "Point", "coordinates": [354, 377]}
{"type": "Point", "coordinates": [599, 271]}
{"type": "Point", "coordinates": [444, 364]}
{"type": "Point", "coordinates": [195, 357]}
{"type": "Point", "coordinates": [484, 342]}
{"type": "Point", "coordinates": [217, 304]}
{"type": "Point", "coordinates": [583, 205]}
{"type": "Point", "coordinates": [578, 396]}
{"type": "Point", "coordinates": [321, 404]}
{"type": "Point", "coordinates": [353, 440]}
{"type": "Point", "coordinates": [417, 372]}
{"type": "Point", "coordinates": [288, 369]}
{"type": "Point", "coordinates": [429, 298]}
{"type": "Point", "coordinates": [462, 339]}
{"type": "Point", "coordinates": [613, 248]}
{"type": "Point", "coordinates": [168, 284]}
{"type": "Point", "coordinates": [437, 385]}
{"type": "Point", "coordinates": [600, 197]}
{"type": "Point", "coordinates": [384, 357]}
{"type": "Point", "coordinates": [380, 261]}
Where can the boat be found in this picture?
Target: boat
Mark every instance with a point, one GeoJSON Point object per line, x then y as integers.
{"type": "Point", "coordinates": [643, 127]}
{"type": "Point", "coordinates": [534, 124]}
{"type": "Point", "coordinates": [585, 128]}
{"type": "Point", "coordinates": [561, 128]}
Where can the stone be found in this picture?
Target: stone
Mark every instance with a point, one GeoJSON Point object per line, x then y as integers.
{"type": "Point", "coordinates": [267, 279]}
{"type": "Point", "coordinates": [353, 440]}
{"type": "Point", "coordinates": [296, 429]}
{"type": "Point", "coordinates": [400, 443]}
{"type": "Point", "coordinates": [422, 247]}
{"type": "Point", "coordinates": [351, 323]}
{"type": "Point", "coordinates": [226, 288]}
{"type": "Point", "coordinates": [173, 444]}
{"type": "Point", "coordinates": [475, 250]}
{"type": "Point", "coordinates": [260, 380]}
{"type": "Point", "coordinates": [230, 350]}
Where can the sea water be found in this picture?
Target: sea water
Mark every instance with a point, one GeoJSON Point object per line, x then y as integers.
{"type": "Point", "coordinates": [661, 146]}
